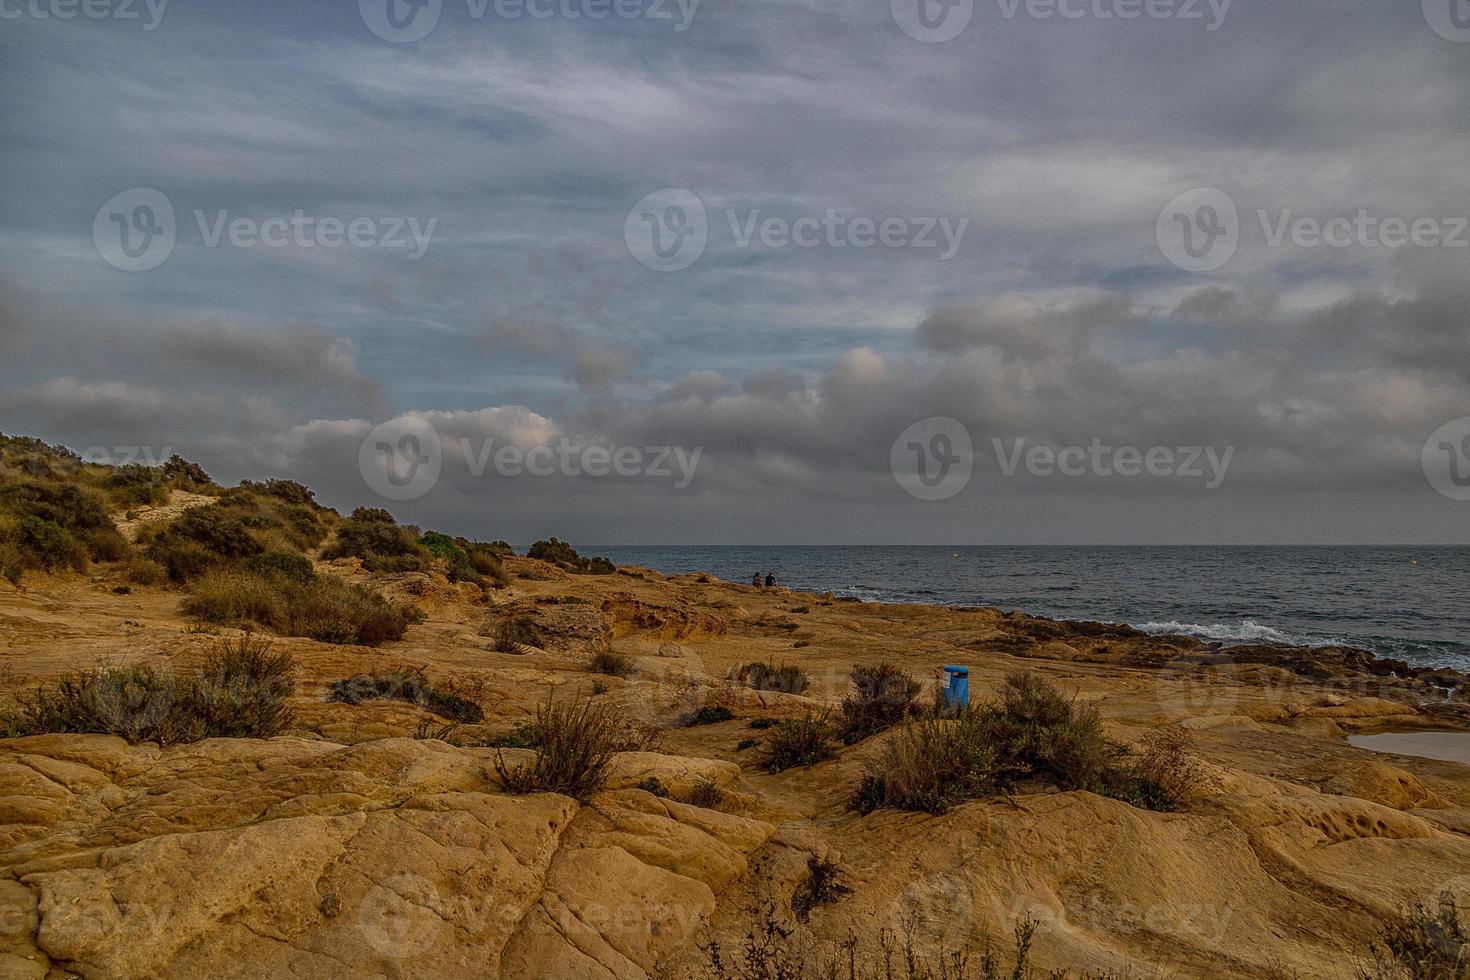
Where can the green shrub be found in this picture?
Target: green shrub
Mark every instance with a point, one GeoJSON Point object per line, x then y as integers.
{"type": "Point", "coordinates": [612, 663]}
{"type": "Point", "coordinates": [52, 525]}
{"type": "Point", "coordinates": [564, 556]}
{"type": "Point", "coordinates": [179, 472]}
{"type": "Point", "coordinates": [287, 491]}
{"type": "Point", "coordinates": [11, 561]}
{"type": "Point", "coordinates": [801, 741]}
{"type": "Point", "coordinates": [787, 679]}
{"type": "Point", "coordinates": [372, 535]}
{"type": "Point", "coordinates": [137, 486]}
{"type": "Point", "coordinates": [575, 742]}
{"type": "Point", "coordinates": [182, 560]}
{"type": "Point", "coordinates": [332, 611]}
{"type": "Point", "coordinates": [242, 692]}
{"type": "Point", "coordinates": [1030, 731]}
{"type": "Point", "coordinates": [201, 538]}
{"type": "Point", "coordinates": [410, 685]}
{"type": "Point", "coordinates": [297, 568]}
{"type": "Point", "coordinates": [218, 530]}
{"type": "Point", "coordinates": [524, 736]}
{"type": "Point", "coordinates": [468, 561]}
{"type": "Point", "coordinates": [885, 697]}
{"type": "Point", "coordinates": [1035, 731]}
{"type": "Point", "coordinates": [46, 544]}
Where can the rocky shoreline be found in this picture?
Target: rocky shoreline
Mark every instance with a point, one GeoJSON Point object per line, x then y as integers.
{"type": "Point", "coordinates": [287, 854]}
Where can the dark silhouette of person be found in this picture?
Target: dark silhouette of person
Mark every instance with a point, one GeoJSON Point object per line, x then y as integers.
{"type": "Point", "coordinates": [770, 579]}
{"type": "Point", "coordinates": [756, 580]}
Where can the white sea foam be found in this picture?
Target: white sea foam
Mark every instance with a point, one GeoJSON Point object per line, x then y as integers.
{"type": "Point", "coordinates": [1246, 631]}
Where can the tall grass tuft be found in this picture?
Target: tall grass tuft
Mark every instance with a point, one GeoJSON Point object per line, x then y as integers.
{"type": "Point", "coordinates": [575, 741]}
{"type": "Point", "coordinates": [243, 691]}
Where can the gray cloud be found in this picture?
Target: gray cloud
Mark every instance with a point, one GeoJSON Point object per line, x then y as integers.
{"type": "Point", "coordinates": [527, 319]}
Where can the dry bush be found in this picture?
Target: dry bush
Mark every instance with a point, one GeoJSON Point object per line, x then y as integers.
{"type": "Point", "coordinates": [766, 676]}
{"type": "Point", "coordinates": [144, 571]}
{"type": "Point", "coordinates": [1429, 943]}
{"type": "Point", "coordinates": [242, 692]}
{"type": "Point", "coordinates": [800, 741]}
{"type": "Point", "coordinates": [775, 950]}
{"type": "Point", "coordinates": [323, 608]}
{"type": "Point", "coordinates": [237, 598]}
{"type": "Point", "coordinates": [1030, 731]}
{"type": "Point", "coordinates": [821, 887]}
{"type": "Point", "coordinates": [931, 765]}
{"type": "Point", "coordinates": [612, 663]}
{"type": "Point", "coordinates": [1170, 760]}
{"type": "Point", "coordinates": [515, 632]}
{"type": "Point", "coordinates": [707, 794]}
{"type": "Point", "coordinates": [575, 742]}
{"type": "Point", "coordinates": [408, 684]}
{"type": "Point", "coordinates": [885, 696]}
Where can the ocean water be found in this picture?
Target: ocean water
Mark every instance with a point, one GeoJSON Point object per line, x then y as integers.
{"type": "Point", "coordinates": [1412, 603]}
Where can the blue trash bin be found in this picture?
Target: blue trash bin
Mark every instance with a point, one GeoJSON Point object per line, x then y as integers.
{"type": "Point", "coordinates": [956, 686]}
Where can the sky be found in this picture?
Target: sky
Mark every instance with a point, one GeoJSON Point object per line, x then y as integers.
{"type": "Point", "coordinates": [772, 271]}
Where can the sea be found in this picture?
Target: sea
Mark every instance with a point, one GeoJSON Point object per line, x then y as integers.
{"type": "Point", "coordinates": [1410, 603]}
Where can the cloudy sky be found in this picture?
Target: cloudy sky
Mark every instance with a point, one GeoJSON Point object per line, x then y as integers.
{"type": "Point", "coordinates": [772, 234]}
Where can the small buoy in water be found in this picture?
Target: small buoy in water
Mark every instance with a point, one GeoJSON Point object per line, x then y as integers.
{"type": "Point", "coordinates": [957, 554]}
{"type": "Point", "coordinates": [1414, 562]}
